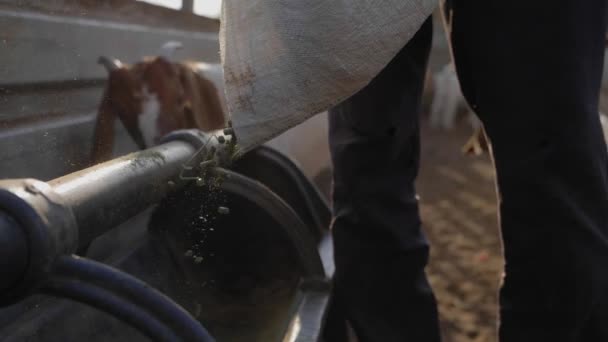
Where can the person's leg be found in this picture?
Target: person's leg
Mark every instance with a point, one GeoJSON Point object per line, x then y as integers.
{"type": "Point", "coordinates": [380, 251]}
{"type": "Point", "coordinates": [531, 70]}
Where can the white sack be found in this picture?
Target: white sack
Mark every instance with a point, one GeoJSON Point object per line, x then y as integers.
{"type": "Point", "coordinates": [286, 60]}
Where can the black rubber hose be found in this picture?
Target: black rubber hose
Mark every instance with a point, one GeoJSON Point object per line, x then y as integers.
{"type": "Point", "coordinates": [137, 291]}
{"type": "Point", "coordinates": [108, 302]}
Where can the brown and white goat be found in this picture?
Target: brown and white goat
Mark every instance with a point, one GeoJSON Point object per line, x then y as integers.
{"type": "Point", "coordinates": [152, 98]}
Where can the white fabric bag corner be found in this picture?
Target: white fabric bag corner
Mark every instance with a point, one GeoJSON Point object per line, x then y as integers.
{"type": "Point", "coordinates": [287, 60]}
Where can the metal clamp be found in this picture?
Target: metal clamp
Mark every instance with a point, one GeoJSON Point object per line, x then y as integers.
{"type": "Point", "coordinates": [215, 148]}
{"type": "Point", "coordinates": [219, 142]}
{"type": "Point", "coordinates": [44, 228]}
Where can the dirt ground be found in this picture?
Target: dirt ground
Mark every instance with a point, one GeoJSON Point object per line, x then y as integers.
{"type": "Point", "coordinates": [458, 207]}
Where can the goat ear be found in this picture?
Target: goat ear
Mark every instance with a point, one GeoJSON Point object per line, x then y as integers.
{"type": "Point", "coordinates": [132, 127]}
{"type": "Point", "coordinates": [103, 138]}
{"type": "Point", "coordinates": [125, 90]}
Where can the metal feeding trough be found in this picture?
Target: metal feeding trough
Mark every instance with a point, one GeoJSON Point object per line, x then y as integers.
{"type": "Point", "coordinates": [165, 258]}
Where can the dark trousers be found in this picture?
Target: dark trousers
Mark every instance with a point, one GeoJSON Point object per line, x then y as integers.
{"type": "Point", "coordinates": [531, 70]}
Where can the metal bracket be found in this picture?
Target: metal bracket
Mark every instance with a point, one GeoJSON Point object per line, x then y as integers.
{"type": "Point", "coordinates": [215, 148]}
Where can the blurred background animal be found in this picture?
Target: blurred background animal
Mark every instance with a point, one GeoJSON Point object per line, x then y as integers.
{"type": "Point", "coordinates": [447, 102]}
{"type": "Point", "coordinates": [156, 96]}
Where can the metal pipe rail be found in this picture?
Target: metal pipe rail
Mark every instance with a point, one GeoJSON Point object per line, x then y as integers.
{"type": "Point", "coordinates": [97, 195]}
{"type": "Point", "coordinates": [107, 194]}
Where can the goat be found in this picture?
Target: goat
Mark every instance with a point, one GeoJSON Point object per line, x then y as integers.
{"type": "Point", "coordinates": [154, 97]}
{"type": "Point", "coordinates": [447, 99]}
{"type": "Point", "coordinates": [447, 102]}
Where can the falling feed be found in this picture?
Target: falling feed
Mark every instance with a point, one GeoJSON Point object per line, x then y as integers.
{"type": "Point", "coordinates": [223, 210]}
{"type": "Point", "coordinates": [200, 181]}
